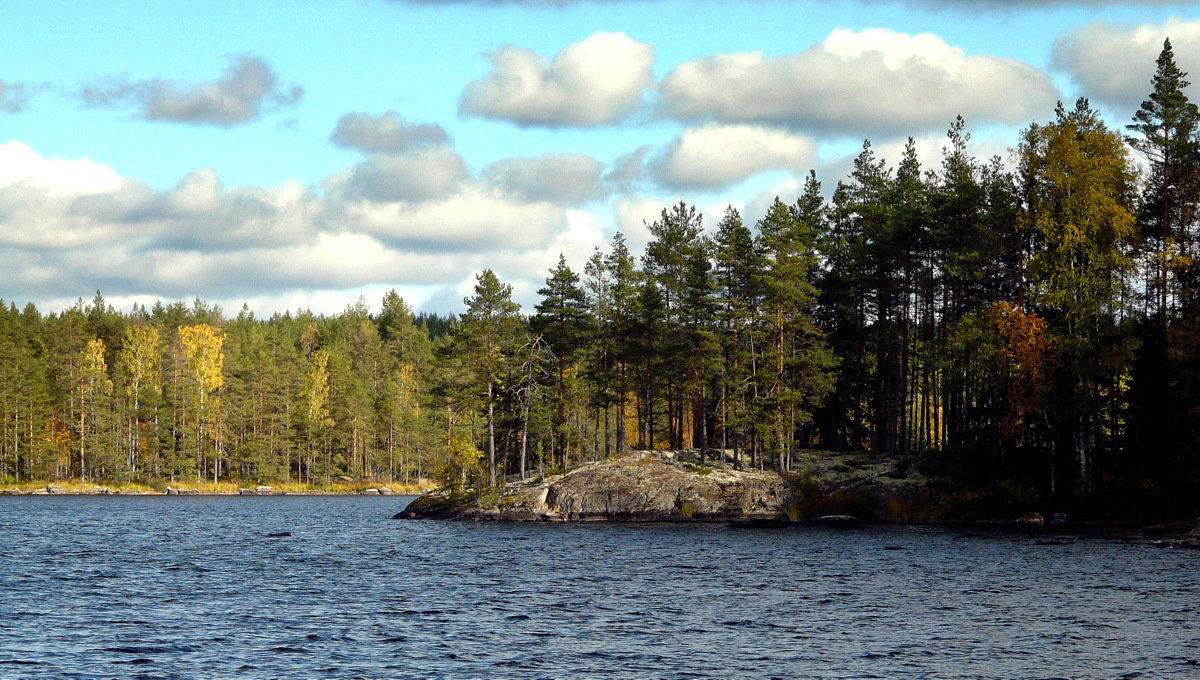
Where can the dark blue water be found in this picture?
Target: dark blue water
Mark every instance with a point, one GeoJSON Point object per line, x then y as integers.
{"type": "Point", "coordinates": [192, 587]}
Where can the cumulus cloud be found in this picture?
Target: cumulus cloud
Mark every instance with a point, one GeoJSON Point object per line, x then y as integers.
{"type": "Point", "coordinates": [1114, 63]}
{"type": "Point", "coordinates": [634, 215]}
{"type": "Point", "coordinates": [716, 156]}
{"type": "Point", "coordinates": [51, 204]}
{"type": "Point", "coordinates": [422, 175]}
{"type": "Point", "coordinates": [38, 197]}
{"type": "Point", "coordinates": [386, 133]}
{"type": "Point", "coordinates": [526, 269]}
{"type": "Point", "coordinates": [70, 226]}
{"type": "Point", "coordinates": [475, 219]}
{"type": "Point", "coordinates": [628, 168]}
{"type": "Point", "coordinates": [873, 81]}
{"type": "Point", "coordinates": [246, 87]}
{"type": "Point", "coordinates": [596, 81]}
{"type": "Point", "coordinates": [559, 178]}
{"type": "Point", "coordinates": [200, 214]}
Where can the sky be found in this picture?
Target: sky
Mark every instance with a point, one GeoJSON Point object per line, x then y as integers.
{"type": "Point", "coordinates": [291, 155]}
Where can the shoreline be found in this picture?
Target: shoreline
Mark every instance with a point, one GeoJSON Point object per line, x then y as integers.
{"type": "Point", "coordinates": [75, 489]}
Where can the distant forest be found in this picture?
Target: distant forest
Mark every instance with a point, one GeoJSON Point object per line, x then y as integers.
{"type": "Point", "coordinates": [1030, 327]}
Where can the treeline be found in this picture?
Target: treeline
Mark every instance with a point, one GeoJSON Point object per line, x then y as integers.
{"type": "Point", "coordinates": [1029, 326]}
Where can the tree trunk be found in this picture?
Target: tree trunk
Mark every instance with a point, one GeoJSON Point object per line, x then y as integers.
{"type": "Point", "coordinates": [491, 438]}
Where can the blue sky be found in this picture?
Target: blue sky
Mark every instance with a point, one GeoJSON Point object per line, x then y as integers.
{"type": "Point", "coordinates": [167, 150]}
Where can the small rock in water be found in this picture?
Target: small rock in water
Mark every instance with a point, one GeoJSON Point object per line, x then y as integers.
{"type": "Point", "coordinates": [1031, 519]}
{"type": "Point", "coordinates": [764, 523]}
{"type": "Point", "coordinates": [840, 521]}
{"type": "Point", "coordinates": [280, 534]}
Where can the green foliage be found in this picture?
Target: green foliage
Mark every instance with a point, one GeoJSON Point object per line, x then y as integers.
{"type": "Point", "coordinates": [1027, 334]}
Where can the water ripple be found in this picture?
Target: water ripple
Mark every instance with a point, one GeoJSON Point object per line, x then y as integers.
{"type": "Point", "coordinates": [194, 587]}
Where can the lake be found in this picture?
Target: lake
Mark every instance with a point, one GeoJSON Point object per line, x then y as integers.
{"type": "Point", "coordinates": [183, 587]}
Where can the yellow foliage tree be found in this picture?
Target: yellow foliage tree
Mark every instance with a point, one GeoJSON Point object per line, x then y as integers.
{"type": "Point", "coordinates": [92, 384]}
{"type": "Point", "coordinates": [461, 457]}
{"type": "Point", "coordinates": [205, 365]}
{"type": "Point", "coordinates": [139, 360]}
{"type": "Point", "coordinates": [317, 420]}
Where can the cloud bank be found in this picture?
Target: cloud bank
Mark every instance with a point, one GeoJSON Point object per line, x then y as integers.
{"type": "Point", "coordinates": [874, 81]}
{"type": "Point", "coordinates": [72, 225]}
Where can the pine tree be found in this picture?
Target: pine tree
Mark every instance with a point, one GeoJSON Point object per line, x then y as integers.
{"type": "Point", "coordinates": [617, 326]}
{"type": "Point", "coordinates": [676, 238]}
{"type": "Point", "coordinates": [737, 276]}
{"type": "Point", "coordinates": [487, 334]}
{"type": "Point", "coordinates": [1165, 128]}
{"type": "Point", "coordinates": [562, 320]}
{"type": "Point", "coordinates": [796, 371]}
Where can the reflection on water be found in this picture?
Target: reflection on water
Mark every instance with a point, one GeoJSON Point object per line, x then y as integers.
{"type": "Point", "coordinates": [193, 587]}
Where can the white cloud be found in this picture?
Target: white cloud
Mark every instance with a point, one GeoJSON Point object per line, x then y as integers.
{"type": "Point", "coordinates": [596, 81]}
{"type": "Point", "coordinates": [930, 151]}
{"type": "Point", "coordinates": [560, 178]}
{"type": "Point", "coordinates": [476, 219]}
{"type": "Point", "coordinates": [871, 81]}
{"type": "Point", "coordinates": [386, 133]}
{"type": "Point", "coordinates": [526, 269]}
{"type": "Point", "coordinates": [1114, 64]}
{"type": "Point", "coordinates": [68, 227]}
{"type": "Point", "coordinates": [421, 175]}
{"type": "Point", "coordinates": [19, 163]}
{"type": "Point", "coordinates": [756, 208]}
{"type": "Point", "coordinates": [245, 88]}
{"type": "Point", "coordinates": [715, 156]}
{"type": "Point", "coordinates": [634, 215]}
{"type": "Point", "coordinates": [39, 197]}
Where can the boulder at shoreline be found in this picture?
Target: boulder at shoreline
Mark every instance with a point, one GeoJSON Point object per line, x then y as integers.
{"type": "Point", "coordinates": [649, 486]}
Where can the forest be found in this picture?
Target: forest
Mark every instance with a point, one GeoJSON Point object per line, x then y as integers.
{"type": "Point", "coordinates": [1028, 326]}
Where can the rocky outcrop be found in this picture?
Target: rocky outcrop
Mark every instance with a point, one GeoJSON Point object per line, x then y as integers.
{"type": "Point", "coordinates": [1183, 535]}
{"type": "Point", "coordinates": [651, 487]}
